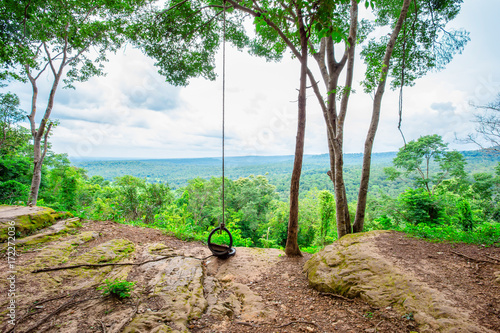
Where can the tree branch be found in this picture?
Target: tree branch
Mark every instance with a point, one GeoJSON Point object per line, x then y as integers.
{"type": "Point", "coordinates": [34, 97]}
{"type": "Point", "coordinates": [350, 63]}
{"type": "Point", "coordinates": [49, 60]}
{"type": "Point", "coordinates": [271, 24]}
{"type": "Point", "coordinates": [171, 8]}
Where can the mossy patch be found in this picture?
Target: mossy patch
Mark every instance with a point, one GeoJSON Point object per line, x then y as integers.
{"type": "Point", "coordinates": [160, 249]}
{"type": "Point", "coordinates": [59, 253]}
{"type": "Point", "coordinates": [111, 251]}
{"type": "Point", "coordinates": [49, 234]}
{"type": "Point", "coordinates": [30, 223]}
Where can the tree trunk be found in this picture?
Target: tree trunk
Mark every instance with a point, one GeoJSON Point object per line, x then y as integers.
{"type": "Point", "coordinates": [292, 246]}
{"type": "Point", "coordinates": [36, 180]}
{"type": "Point", "coordinates": [370, 137]}
{"type": "Point", "coordinates": [343, 217]}
{"type": "Point", "coordinates": [42, 132]}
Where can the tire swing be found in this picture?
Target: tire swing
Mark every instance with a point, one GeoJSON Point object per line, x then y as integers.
{"type": "Point", "coordinates": [220, 240]}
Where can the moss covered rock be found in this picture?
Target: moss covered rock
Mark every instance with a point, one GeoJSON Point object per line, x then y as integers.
{"type": "Point", "coordinates": [353, 267]}
{"type": "Point", "coordinates": [49, 234]}
{"type": "Point", "coordinates": [27, 220]}
{"type": "Point", "coordinates": [59, 253]}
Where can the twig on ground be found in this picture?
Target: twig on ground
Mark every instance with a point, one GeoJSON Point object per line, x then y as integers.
{"type": "Point", "coordinates": [336, 296]}
{"type": "Point", "coordinates": [52, 299]}
{"type": "Point", "coordinates": [473, 259]}
{"type": "Point", "coordinates": [49, 269]}
{"type": "Point", "coordinates": [297, 322]}
{"type": "Point", "coordinates": [102, 326]}
{"type": "Point", "coordinates": [281, 326]}
{"type": "Point", "coordinates": [493, 258]}
{"type": "Point", "coordinates": [246, 324]}
{"type": "Point", "coordinates": [376, 326]}
{"type": "Point", "coordinates": [31, 251]}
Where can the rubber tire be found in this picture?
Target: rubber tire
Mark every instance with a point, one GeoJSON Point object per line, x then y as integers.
{"type": "Point", "coordinates": [221, 254]}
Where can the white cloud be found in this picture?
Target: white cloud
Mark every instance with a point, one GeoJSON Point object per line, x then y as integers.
{"type": "Point", "coordinates": [132, 112]}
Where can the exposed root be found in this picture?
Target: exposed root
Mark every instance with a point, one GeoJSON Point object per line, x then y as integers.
{"type": "Point", "coordinates": [274, 326]}
{"type": "Point", "coordinates": [297, 322]}
{"type": "Point", "coordinates": [63, 307]}
{"type": "Point", "coordinates": [49, 269]}
{"type": "Point", "coordinates": [473, 259]}
{"type": "Point", "coordinates": [103, 327]}
{"type": "Point", "coordinates": [336, 296]}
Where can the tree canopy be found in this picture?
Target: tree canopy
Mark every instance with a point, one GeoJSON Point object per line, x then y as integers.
{"type": "Point", "coordinates": [416, 157]}
{"type": "Point", "coordinates": [68, 39]}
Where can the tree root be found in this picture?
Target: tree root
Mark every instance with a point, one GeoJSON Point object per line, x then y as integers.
{"type": "Point", "coordinates": [102, 326]}
{"type": "Point", "coordinates": [275, 326]}
{"type": "Point", "coordinates": [29, 313]}
{"type": "Point", "coordinates": [473, 259]}
{"type": "Point", "coordinates": [49, 269]}
{"type": "Point", "coordinates": [336, 296]}
{"type": "Point", "coordinates": [498, 260]}
{"type": "Point", "coordinates": [63, 307]}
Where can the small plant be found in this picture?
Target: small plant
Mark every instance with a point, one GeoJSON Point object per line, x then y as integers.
{"type": "Point", "coordinates": [368, 315]}
{"type": "Point", "coordinates": [118, 288]}
{"type": "Point", "coordinates": [408, 316]}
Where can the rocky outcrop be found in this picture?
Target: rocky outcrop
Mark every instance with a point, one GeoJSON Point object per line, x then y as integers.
{"type": "Point", "coordinates": [353, 267]}
{"type": "Point", "coordinates": [173, 286]}
{"type": "Point", "coordinates": [27, 220]}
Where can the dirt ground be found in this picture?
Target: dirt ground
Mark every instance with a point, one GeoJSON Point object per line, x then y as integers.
{"type": "Point", "coordinates": [463, 272]}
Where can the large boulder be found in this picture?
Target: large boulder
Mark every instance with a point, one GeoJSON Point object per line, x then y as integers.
{"type": "Point", "coordinates": [354, 267]}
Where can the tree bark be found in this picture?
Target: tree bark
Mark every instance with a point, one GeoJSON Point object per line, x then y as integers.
{"type": "Point", "coordinates": [292, 247]}
{"type": "Point", "coordinates": [372, 130]}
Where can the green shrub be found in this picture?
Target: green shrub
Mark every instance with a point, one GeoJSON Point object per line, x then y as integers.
{"type": "Point", "coordinates": [12, 191]}
{"type": "Point", "coordinates": [417, 206]}
{"type": "Point", "coordinates": [486, 233]}
{"type": "Point", "coordinates": [117, 288]}
{"type": "Point", "coordinates": [465, 215]}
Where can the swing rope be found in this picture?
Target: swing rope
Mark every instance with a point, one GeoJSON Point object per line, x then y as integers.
{"type": "Point", "coordinates": [223, 251]}
{"type": "Point", "coordinates": [223, 224]}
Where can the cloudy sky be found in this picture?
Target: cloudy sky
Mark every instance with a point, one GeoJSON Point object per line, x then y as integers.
{"type": "Point", "coordinates": [133, 113]}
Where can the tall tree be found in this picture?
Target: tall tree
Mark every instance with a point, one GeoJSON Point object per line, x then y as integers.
{"type": "Point", "coordinates": [412, 48]}
{"type": "Point", "coordinates": [325, 26]}
{"type": "Point", "coordinates": [184, 26]}
{"type": "Point", "coordinates": [420, 42]}
{"type": "Point", "coordinates": [66, 38]}
{"type": "Point", "coordinates": [416, 157]}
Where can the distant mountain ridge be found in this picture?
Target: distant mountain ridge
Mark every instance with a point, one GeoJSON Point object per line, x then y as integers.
{"type": "Point", "coordinates": [177, 172]}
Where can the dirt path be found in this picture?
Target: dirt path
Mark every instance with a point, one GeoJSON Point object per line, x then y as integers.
{"type": "Point", "coordinates": [469, 275]}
